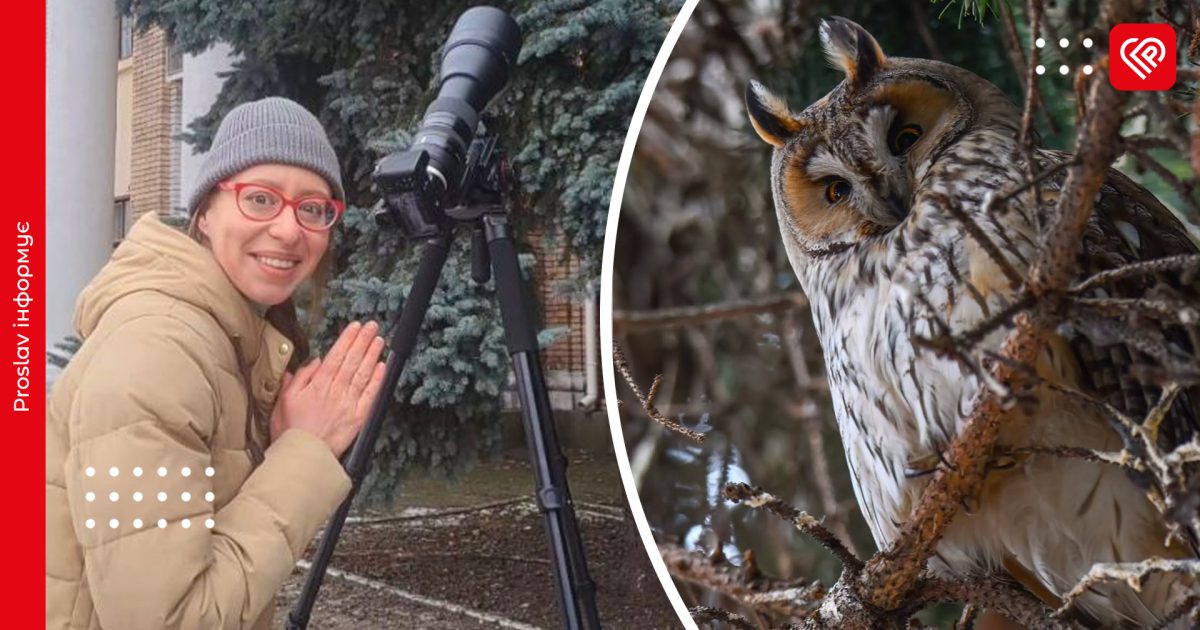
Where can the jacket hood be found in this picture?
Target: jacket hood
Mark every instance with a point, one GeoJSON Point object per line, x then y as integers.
{"type": "Point", "coordinates": [157, 257]}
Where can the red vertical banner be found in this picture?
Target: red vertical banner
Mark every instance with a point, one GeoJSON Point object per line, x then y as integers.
{"type": "Point", "coordinates": [23, 231]}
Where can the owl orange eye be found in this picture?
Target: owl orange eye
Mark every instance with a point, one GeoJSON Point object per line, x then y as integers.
{"type": "Point", "coordinates": [903, 139]}
{"type": "Point", "coordinates": [836, 190]}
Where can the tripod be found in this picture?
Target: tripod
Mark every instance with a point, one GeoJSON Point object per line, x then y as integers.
{"type": "Point", "coordinates": [493, 251]}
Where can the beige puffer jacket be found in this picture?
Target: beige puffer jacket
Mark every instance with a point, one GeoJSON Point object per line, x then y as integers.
{"type": "Point", "coordinates": [160, 386]}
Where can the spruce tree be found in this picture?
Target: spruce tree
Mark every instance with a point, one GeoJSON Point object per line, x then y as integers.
{"type": "Point", "coordinates": [368, 68]}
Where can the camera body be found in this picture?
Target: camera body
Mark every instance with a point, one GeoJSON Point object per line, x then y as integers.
{"type": "Point", "coordinates": [421, 182]}
{"type": "Point", "coordinates": [412, 199]}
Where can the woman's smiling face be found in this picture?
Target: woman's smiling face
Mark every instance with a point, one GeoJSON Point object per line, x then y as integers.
{"type": "Point", "coordinates": [265, 260]}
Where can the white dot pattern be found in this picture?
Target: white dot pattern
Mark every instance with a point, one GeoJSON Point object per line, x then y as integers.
{"type": "Point", "coordinates": [1063, 43]}
{"type": "Point", "coordinates": [138, 497]}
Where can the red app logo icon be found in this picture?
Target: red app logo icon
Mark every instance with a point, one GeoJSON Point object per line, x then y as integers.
{"type": "Point", "coordinates": [1141, 56]}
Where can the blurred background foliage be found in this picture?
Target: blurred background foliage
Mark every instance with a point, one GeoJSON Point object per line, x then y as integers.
{"type": "Point", "coordinates": [697, 227]}
{"type": "Point", "coordinates": [368, 69]}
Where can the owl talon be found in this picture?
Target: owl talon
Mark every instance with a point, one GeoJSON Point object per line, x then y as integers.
{"type": "Point", "coordinates": [921, 466]}
{"type": "Point", "coordinates": [1003, 462]}
{"type": "Point", "coordinates": [941, 455]}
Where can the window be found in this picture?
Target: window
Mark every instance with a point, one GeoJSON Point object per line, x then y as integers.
{"type": "Point", "coordinates": [125, 48]}
{"type": "Point", "coordinates": [120, 217]}
{"type": "Point", "coordinates": [175, 102]}
{"type": "Point", "coordinates": [177, 147]}
{"type": "Point", "coordinates": [174, 61]}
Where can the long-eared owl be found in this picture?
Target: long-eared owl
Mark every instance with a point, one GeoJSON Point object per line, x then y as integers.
{"type": "Point", "coordinates": [864, 182]}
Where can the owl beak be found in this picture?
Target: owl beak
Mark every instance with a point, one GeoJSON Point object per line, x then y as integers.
{"type": "Point", "coordinates": [896, 207]}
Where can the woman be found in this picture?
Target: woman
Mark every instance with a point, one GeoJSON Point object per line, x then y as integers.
{"type": "Point", "coordinates": [190, 456]}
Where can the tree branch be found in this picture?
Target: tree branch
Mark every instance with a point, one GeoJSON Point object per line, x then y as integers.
{"type": "Point", "coordinates": [1134, 574]}
{"type": "Point", "coordinates": [1005, 598]}
{"type": "Point", "coordinates": [647, 400]}
{"type": "Point", "coordinates": [643, 321]}
{"type": "Point", "coordinates": [791, 599]}
{"type": "Point", "coordinates": [757, 498]}
{"type": "Point", "coordinates": [702, 614]}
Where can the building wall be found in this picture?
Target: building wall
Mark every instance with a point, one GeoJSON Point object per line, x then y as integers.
{"type": "Point", "coordinates": [124, 127]}
{"type": "Point", "coordinates": [150, 145]}
{"type": "Point", "coordinates": [81, 81]}
{"type": "Point", "coordinates": [201, 84]}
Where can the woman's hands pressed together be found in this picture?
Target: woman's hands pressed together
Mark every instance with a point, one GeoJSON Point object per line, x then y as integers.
{"type": "Point", "coordinates": [331, 398]}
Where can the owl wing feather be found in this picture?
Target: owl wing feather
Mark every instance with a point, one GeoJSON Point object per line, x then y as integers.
{"type": "Point", "coordinates": [1116, 359]}
{"type": "Point", "coordinates": [1123, 359]}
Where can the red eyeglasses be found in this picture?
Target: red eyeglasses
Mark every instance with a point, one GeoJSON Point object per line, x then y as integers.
{"type": "Point", "coordinates": [259, 202]}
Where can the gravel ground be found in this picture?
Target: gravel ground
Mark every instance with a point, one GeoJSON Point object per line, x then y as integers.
{"type": "Point", "coordinates": [485, 565]}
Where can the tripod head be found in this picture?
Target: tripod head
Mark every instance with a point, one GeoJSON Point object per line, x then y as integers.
{"type": "Point", "coordinates": [485, 182]}
{"type": "Point", "coordinates": [483, 194]}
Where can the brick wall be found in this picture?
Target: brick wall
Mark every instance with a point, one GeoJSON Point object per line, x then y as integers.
{"type": "Point", "coordinates": [564, 360]}
{"type": "Point", "coordinates": [555, 264]}
{"type": "Point", "coordinates": [150, 145]}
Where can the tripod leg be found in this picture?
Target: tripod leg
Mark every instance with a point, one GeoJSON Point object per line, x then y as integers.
{"type": "Point", "coordinates": [404, 340]}
{"type": "Point", "coordinates": [576, 591]}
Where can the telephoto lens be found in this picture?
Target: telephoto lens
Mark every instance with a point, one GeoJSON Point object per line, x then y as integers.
{"type": "Point", "coordinates": [479, 53]}
{"type": "Point", "coordinates": [476, 63]}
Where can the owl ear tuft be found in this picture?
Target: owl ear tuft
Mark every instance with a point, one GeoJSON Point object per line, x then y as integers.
{"type": "Point", "coordinates": [851, 48]}
{"type": "Point", "coordinates": [769, 114]}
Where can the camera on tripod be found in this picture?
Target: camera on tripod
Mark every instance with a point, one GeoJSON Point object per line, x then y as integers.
{"type": "Point", "coordinates": [447, 164]}
{"type": "Point", "coordinates": [451, 177]}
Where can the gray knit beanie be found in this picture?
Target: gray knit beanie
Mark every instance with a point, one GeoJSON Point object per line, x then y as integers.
{"type": "Point", "coordinates": [274, 130]}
